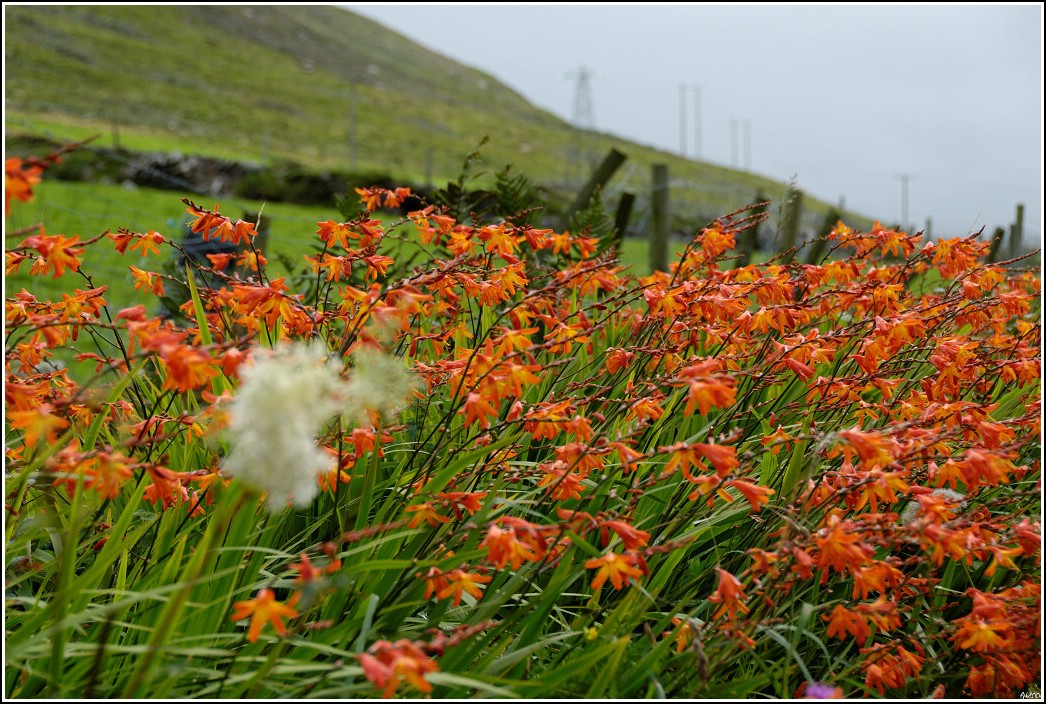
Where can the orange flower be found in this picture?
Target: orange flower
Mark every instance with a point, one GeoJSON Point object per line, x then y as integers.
{"type": "Point", "coordinates": [842, 622]}
{"type": "Point", "coordinates": [477, 408]}
{"type": "Point", "coordinates": [646, 408]}
{"type": "Point", "coordinates": [56, 253]}
{"type": "Point", "coordinates": [504, 547]}
{"type": "Point", "coordinates": [879, 576]}
{"type": "Point", "coordinates": [633, 538]}
{"type": "Point", "coordinates": [730, 593]}
{"type": "Point", "coordinates": [883, 667]}
{"type": "Point", "coordinates": [715, 241]}
{"type": "Point", "coordinates": [370, 197]}
{"type": "Point", "coordinates": [458, 500]}
{"type": "Point", "coordinates": [147, 280]}
{"type": "Point", "coordinates": [882, 614]}
{"type": "Point", "coordinates": [377, 265]}
{"type": "Point", "coordinates": [394, 199]}
{"type": "Point", "coordinates": [498, 239]}
{"type": "Point", "coordinates": [386, 664]}
{"type": "Point", "coordinates": [1002, 557]}
{"type": "Point", "coordinates": [121, 239]}
{"type": "Point", "coordinates": [149, 243]}
{"type": "Point", "coordinates": [458, 582]}
{"type": "Point", "coordinates": [306, 572]}
{"type": "Point", "coordinates": [337, 267]}
{"type": "Point", "coordinates": [36, 423]}
{"type": "Point", "coordinates": [618, 359]}
{"type": "Point", "coordinates": [776, 440]}
{"type": "Point", "coordinates": [839, 547]}
{"type": "Point", "coordinates": [544, 420]}
{"type": "Point", "coordinates": [627, 456]}
{"type": "Point", "coordinates": [763, 562]}
{"type": "Point", "coordinates": [682, 456]}
{"type": "Point", "coordinates": [262, 610]}
{"type": "Point", "coordinates": [686, 633]}
{"type": "Point", "coordinates": [107, 474]}
{"type": "Point", "coordinates": [982, 636]}
{"type": "Point", "coordinates": [707, 394]}
{"type": "Point", "coordinates": [19, 181]}
{"type": "Point", "coordinates": [872, 448]}
{"type": "Point", "coordinates": [616, 568]}
{"type": "Point", "coordinates": [206, 221]}
{"type": "Point", "coordinates": [722, 457]}
{"type": "Point", "coordinates": [564, 483]}
{"type": "Point", "coordinates": [166, 486]}
{"type": "Point", "coordinates": [187, 367]}
{"type": "Point", "coordinates": [334, 234]}
{"type": "Point", "coordinates": [879, 485]}
{"type": "Point", "coordinates": [516, 375]}
{"type": "Point", "coordinates": [755, 495]}
{"type": "Point", "coordinates": [427, 514]}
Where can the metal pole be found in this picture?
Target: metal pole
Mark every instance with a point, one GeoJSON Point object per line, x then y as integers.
{"type": "Point", "coordinates": [748, 145]}
{"type": "Point", "coordinates": [697, 122]}
{"type": "Point", "coordinates": [682, 120]}
{"type": "Point", "coordinates": [904, 202]}
{"type": "Point", "coordinates": [905, 179]}
{"type": "Point", "coordinates": [733, 142]}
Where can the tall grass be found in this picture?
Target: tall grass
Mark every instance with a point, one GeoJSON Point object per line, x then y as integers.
{"type": "Point", "coordinates": [772, 480]}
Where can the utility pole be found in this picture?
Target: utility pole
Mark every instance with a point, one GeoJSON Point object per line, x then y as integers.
{"type": "Point", "coordinates": [748, 145]}
{"type": "Point", "coordinates": [905, 178]}
{"type": "Point", "coordinates": [733, 142]}
{"type": "Point", "coordinates": [697, 122]}
{"type": "Point", "coordinates": [682, 120]}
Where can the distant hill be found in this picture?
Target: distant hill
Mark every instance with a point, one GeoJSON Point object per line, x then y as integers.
{"type": "Point", "coordinates": [318, 85]}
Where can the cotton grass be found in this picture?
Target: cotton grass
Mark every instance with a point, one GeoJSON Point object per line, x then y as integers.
{"type": "Point", "coordinates": [285, 398]}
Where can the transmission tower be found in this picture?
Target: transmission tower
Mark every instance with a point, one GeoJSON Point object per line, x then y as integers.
{"type": "Point", "coordinates": [580, 159]}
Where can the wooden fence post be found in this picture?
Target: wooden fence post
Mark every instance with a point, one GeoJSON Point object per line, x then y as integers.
{"type": "Point", "coordinates": [659, 208]}
{"type": "Point", "coordinates": [1017, 233]}
{"type": "Point", "coordinates": [611, 162]}
{"type": "Point", "coordinates": [793, 213]}
{"type": "Point", "coordinates": [820, 243]}
{"type": "Point", "coordinates": [748, 241]}
{"type": "Point", "coordinates": [993, 251]}
{"type": "Point", "coordinates": [621, 217]}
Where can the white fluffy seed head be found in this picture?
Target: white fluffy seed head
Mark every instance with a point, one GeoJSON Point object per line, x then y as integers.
{"type": "Point", "coordinates": [285, 398]}
{"type": "Point", "coordinates": [379, 383]}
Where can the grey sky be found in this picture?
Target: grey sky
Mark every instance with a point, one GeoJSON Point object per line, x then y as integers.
{"type": "Point", "coordinates": [844, 98]}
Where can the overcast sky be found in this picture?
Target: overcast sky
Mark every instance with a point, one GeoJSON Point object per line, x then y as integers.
{"type": "Point", "coordinates": [844, 98]}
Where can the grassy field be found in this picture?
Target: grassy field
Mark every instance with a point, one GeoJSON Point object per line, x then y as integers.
{"type": "Point", "coordinates": [88, 210]}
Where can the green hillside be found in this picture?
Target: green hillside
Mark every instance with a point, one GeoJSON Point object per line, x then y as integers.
{"type": "Point", "coordinates": [316, 85]}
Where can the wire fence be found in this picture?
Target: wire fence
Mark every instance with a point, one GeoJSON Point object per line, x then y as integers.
{"type": "Point", "coordinates": [693, 205]}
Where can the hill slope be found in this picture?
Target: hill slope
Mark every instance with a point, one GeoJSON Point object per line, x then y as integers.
{"type": "Point", "coordinates": [317, 85]}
